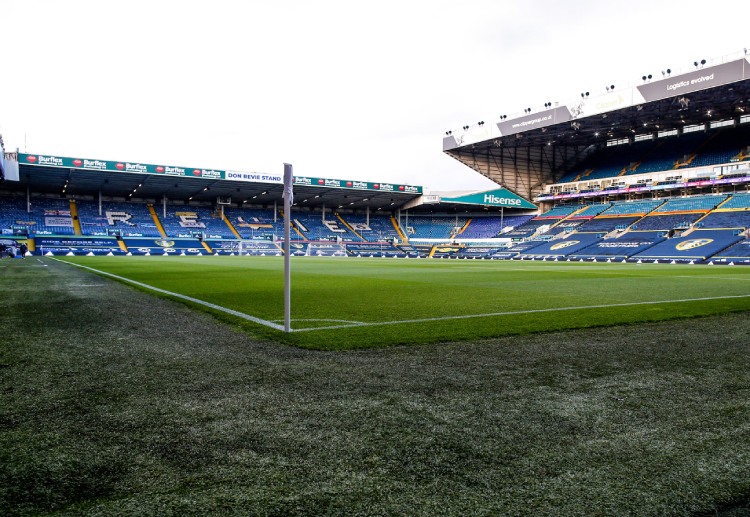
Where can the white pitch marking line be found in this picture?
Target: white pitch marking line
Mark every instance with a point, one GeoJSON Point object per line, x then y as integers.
{"type": "Point", "coordinates": [327, 319]}
{"type": "Point", "coordinates": [698, 277]}
{"type": "Point", "coordinates": [530, 311]}
{"type": "Point", "coordinates": [181, 296]}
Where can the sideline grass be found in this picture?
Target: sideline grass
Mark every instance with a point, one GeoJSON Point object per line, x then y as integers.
{"type": "Point", "coordinates": [381, 302]}
{"type": "Point", "coordinates": [120, 403]}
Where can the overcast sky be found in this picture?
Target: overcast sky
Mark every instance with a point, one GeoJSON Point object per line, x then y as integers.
{"type": "Point", "coordinates": [341, 89]}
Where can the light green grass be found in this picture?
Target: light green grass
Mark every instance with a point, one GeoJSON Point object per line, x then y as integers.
{"type": "Point", "coordinates": [355, 303]}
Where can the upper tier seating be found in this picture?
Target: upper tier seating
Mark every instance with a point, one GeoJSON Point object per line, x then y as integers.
{"type": "Point", "coordinates": [741, 200]}
{"type": "Point", "coordinates": [607, 224]}
{"type": "Point", "coordinates": [693, 203]}
{"type": "Point", "coordinates": [641, 207]}
{"type": "Point", "coordinates": [666, 222]}
{"type": "Point", "coordinates": [696, 149]}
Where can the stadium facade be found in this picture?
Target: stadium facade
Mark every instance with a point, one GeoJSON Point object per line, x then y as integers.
{"type": "Point", "coordinates": [658, 171]}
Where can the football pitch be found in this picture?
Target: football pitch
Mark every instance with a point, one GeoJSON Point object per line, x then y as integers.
{"type": "Point", "coordinates": [120, 402]}
{"type": "Point", "coordinates": [366, 302]}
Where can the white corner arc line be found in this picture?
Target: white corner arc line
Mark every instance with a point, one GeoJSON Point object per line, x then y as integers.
{"type": "Point", "coordinates": [180, 296]}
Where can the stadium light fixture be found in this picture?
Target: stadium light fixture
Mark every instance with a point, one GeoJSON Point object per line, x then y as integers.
{"type": "Point", "coordinates": [584, 95]}
{"type": "Point", "coordinates": [449, 133]}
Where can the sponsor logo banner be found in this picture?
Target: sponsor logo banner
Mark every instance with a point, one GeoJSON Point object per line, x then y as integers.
{"type": "Point", "coordinates": [500, 197]}
{"type": "Point", "coordinates": [702, 79]}
{"type": "Point", "coordinates": [58, 221]}
{"type": "Point", "coordinates": [535, 121]}
{"type": "Point", "coordinates": [211, 174]}
{"type": "Point", "coordinates": [356, 185]}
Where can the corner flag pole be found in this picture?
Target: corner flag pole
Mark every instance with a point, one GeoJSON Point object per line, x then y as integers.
{"type": "Point", "coordinates": [288, 198]}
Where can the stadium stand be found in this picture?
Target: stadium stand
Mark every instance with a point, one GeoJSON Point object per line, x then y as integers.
{"type": "Point", "coordinates": [125, 219]}
{"type": "Point", "coordinates": [560, 248]}
{"type": "Point", "coordinates": [377, 249]}
{"type": "Point", "coordinates": [314, 228]}
{"type": "Point", "coordinates": [739, 253]}
{"type": "Point", "coordinates": [619, 248]}
{"type": "Point", "coordinates": [640, 208]}
{"type": "Point", "coordinates": [515, 250]}
{"type": "Point", "coordinates": [432, 227]}
{"type": "Point", "coordinates": [491, 226]}
{"type": "Point", "coordinates": [376, 228]}
{"type": "Point", "coordinates": [44, 216]}
{"type": "Point", "coordinates": [690, 204]}
{"type": "Point", "coordinates": [187, 221]}
{"type": "Point", "coordinates": [697, 246]}
{"type": "Point", "coordinates": [256, 223]}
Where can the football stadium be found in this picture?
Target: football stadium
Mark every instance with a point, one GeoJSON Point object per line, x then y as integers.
{"type": "Point", "coordinates": [573, 342]}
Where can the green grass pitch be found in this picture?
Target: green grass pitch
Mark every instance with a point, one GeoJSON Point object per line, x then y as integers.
{"type": "Point", "coordinates": [363, 303]}
{"type": "Point", "coordinates": [119, 402]}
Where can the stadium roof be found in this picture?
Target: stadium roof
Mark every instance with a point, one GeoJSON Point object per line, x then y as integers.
{"type": "Point", "coordinates": [67, 176]}
{"type": "Point", "coordinates": [527, 152]}
{"type": "Point", "coordinates": [80, 177]}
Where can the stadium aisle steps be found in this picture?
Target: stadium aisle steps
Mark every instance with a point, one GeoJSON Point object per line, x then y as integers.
{"type": "Point", "coordinates": [157, 221]}
{"type": "Point", "coordinates": [208, 248]}
{"type": "Point", "coordinates": [463, 228]}
{"type": "Point", "coordinates": [398, 229]}
{"type": "Point", "coordinates": [74, 217]}
{"type": "Point", "coordinates": [293, 226]}
{"type": "Point", "coordinates": [231, 226]}
{"type": "Point", "coordinates": [348, 226]}
{"type": "Point", "coordinates": [122, 245]}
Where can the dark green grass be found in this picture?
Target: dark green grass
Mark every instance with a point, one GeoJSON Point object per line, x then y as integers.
{"type": "Point", "coordinates": [115, 402]}
{"type": "Point", "coordinates": [423, 301]}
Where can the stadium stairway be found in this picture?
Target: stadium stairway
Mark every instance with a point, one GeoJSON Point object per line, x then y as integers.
{"type": "Point", "coordinates": [208, 248]}
{"type": "Point", "coordinates": [230, 225]}
{"type": "Point", "coordinates": [122, 245]}
{"type": "Point", "coordinates": [349, 227]}
{"type": "Point", "coordinates": [155, 217]}
{"type": "Point", "coordinates": [398, 229]}
{"type": "Point", "coordinates": [463, 228]}
{"type": "Point", "coordinates": [74, 217]}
